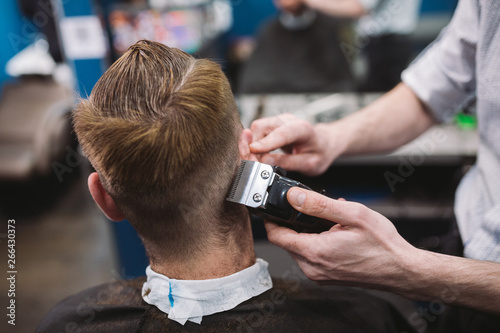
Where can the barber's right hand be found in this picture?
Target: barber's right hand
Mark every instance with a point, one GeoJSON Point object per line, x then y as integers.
{"type": "Point", "coordinates": [308, 149]}
{"type": "Point", "coordinates": [364, 249]}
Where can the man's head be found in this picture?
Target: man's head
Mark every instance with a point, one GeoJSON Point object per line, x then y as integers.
{"type": "Point", "coordinates": [161, 129]}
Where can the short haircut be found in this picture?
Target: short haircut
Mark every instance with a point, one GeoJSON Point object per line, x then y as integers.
{"type": "Point", "coordinates": [161, 129]}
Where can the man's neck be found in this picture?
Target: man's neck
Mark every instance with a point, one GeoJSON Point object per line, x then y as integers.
{"type": "Point", "coordinates": [236, 254]}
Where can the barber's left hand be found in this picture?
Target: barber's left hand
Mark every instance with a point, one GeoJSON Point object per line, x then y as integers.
{"type": "Point", "coordinates": [364, 249]}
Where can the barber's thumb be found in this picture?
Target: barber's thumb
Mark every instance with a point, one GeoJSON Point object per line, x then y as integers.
{"type": "Point", "coordinates": [296, 197]}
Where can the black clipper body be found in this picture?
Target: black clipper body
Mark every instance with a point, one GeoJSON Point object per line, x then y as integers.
{"type": "Point", "coordinates": [263, 189]}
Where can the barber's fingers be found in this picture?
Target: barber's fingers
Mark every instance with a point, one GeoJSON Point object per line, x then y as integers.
{"type": "Point", "coordinates": [277, 132]}
{"type": "Point", "coordinates": [312, 271]}
{"type": "Point", "coordinates": [343, 212]}
{"type": "Point", "coordinates": [263, 126]}
{"type": "Point", "coordinates": [300, 244]}
{"type": "Point", "coordinates": [305, 163]}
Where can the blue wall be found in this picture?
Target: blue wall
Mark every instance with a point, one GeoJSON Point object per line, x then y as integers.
{"type": "Point", "coordinates": [87, 71]}
{"type": "Point", "coordinates": [432, 6]}
{"type": "Point", "coordinates": [249, 14]}
{"type": "Point", "coordinates": [16, 33]}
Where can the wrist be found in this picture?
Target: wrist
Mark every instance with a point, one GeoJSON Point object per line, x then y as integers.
{"type": "Point", "coordinates": [420, 269]}
{"type": "Point", "coordinates": [331, 138]}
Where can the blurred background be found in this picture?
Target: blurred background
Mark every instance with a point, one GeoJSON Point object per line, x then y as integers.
{"type": "Point", "coordinates": [316, 65]}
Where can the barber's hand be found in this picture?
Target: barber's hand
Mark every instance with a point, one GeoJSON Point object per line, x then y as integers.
{"type": "Point", "coordinates": [363, 249]}
{"type": "Point", "coordinates": [308, 149]}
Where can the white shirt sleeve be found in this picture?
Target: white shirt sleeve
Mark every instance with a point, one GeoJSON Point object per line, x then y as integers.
{"type": "Point", "coordinates": [444, 75]}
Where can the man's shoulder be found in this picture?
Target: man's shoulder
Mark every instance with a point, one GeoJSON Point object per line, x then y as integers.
{"type": "Point", "coordinates": [302, 306]}
{"type": "Point", "coordinates": [291, 305]}
{"type": "Point", "coordinates": [110, 307]}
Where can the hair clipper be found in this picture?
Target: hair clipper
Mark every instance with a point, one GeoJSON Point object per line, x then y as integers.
{"type": "Point", "coordinates": [263, 189]}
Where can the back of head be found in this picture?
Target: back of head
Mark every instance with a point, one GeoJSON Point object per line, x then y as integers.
{"type": "Point", "coordinates": [161, 128]}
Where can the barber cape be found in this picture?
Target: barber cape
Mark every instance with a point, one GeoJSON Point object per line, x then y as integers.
{"type": "Point", "coordinates": [185, 300]}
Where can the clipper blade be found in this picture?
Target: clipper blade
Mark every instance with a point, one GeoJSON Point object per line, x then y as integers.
{"type": "Point", "coordinates": [236, 182]}
{"type": "Point", "coordinates": [250, 184]}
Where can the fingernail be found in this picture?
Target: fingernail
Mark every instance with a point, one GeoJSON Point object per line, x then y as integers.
{"type": "Point", "coordinates": [296, 197]}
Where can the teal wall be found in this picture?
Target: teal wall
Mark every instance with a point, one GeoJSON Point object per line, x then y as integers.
{"type": "Point", "coordinates": [16, 32]}
{"type": "Point", "coordinates": [248, 14]}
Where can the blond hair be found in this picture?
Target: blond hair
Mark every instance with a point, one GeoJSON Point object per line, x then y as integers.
{"type": "Point", "coordinates": [161, 128]}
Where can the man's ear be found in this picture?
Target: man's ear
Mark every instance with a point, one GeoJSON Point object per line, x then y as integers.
{"type": "Point", "coordinates": [246, 138]}
{"type": "Point", "coordinates": [103, 199]}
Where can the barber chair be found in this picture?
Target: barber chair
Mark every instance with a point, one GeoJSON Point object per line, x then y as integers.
{"type": "Point", "coordinates": [35, 127]}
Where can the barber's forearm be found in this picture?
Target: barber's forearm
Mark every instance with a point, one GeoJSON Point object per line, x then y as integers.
{"type": "Point", "coordinates": [393, 120]}
{"type": "Point", "coordinates": [453, 281]}
{"type": "Point", "coordinates": [341, 8]}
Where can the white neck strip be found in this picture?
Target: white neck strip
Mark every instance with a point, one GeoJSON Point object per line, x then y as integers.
{"type": "Point", "coordinates": [185, 300]}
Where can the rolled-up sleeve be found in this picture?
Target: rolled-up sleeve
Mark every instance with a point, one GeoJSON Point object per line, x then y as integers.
{"type": "Point", "coordinates": [444, 75]}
